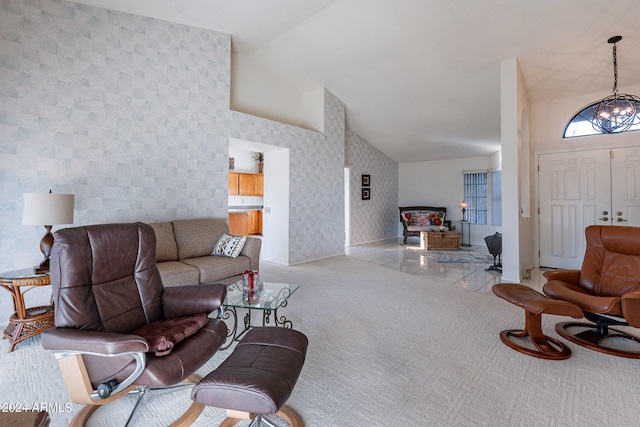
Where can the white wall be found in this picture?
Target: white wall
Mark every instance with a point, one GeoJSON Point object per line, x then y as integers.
{"type": "Point", "coordinates": [257, 91]}
{"type": "Point", "coordinates": [509, 97]}
{"type": "Point", "coordinates": [440, 183]}
{"type": "Point", "coordinates": [275, 217]}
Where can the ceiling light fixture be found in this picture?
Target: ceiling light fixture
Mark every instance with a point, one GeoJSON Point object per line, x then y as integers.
{"type": "Point", "coordinates": [619, 111]}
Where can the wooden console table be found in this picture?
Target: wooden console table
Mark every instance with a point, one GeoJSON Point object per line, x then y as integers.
{"type": "Point", "coordinates": [440, 240]}
{"type": "Point", "coordinates": [25, 322]}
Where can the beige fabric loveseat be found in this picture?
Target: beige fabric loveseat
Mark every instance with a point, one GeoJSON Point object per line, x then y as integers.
{"type": "Point", "coordinates": [184, 247]}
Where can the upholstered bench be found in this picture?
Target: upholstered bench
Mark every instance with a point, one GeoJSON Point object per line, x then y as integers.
{"type": "Point", "coordinates": [255, 380]}
{"type": "Point", "coordinates": [535, 304]}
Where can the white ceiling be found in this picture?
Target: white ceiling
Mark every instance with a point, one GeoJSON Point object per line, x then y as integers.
{"type": "Point", "coordinates": [421, 78]}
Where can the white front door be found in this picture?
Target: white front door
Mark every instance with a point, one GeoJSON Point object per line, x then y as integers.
{"type": "Point", "coordinates": [625, 186]}
{"type": "Point", "coordinates": [574, 192]}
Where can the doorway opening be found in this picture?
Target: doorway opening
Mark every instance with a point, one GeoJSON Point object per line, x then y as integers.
{"type": "Point", "coordinates": [275, 200]}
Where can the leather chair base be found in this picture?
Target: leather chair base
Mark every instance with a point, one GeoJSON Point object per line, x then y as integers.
{"type": "Point", "coordinates": [545, 347]}
{"type": "Point", "coordinates": [286, 413]}
{"type": "Point", "coordinates": [535, 304]}
{"type": "Point", "coordinates": [590, 338]}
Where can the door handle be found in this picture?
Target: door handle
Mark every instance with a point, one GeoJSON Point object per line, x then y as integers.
{"type": "Point", "coordinates": [622, 220]}
{"type": "Point", "coordinates": [604, 219]}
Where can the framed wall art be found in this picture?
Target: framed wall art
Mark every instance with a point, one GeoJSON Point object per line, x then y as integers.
{"type": "Point", "coordinates": [366, 180]}
{"type": "Point", "coordinates": [366, 193]}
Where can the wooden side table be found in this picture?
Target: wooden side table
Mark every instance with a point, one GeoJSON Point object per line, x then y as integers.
{"type": "Point", "coordinates": [25, 322]}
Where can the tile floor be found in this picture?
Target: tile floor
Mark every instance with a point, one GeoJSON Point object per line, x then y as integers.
{"type": "Point", "coordinates": [409, 258]}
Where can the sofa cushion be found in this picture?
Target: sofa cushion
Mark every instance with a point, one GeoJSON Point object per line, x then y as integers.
{"type": "Point", "coordinates": [408, 219]}
{"type": "Point", "coordinates": [162, 335]}
{"type": "Point", "coordinates": [424, 218]}
{"type": "Point", "coordinates": [215, 268]}
{"type": "Point", "coordinates": [175, 273]}
{"type": "Point", "coordinates": [198, 237]}
{"type": "Point", "coordinates": [229, 245]}
{"type": "Point", "coordinates": [166, 248]}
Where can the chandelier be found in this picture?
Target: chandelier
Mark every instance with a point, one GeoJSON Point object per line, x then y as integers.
{"type": "Point", "coordinates": [619, 111]}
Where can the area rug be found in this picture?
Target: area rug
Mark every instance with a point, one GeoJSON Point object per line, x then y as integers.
{"type": "Point", "coordinates": [458, 257]}
{"type": "Point", "coordinates": [386, 348]}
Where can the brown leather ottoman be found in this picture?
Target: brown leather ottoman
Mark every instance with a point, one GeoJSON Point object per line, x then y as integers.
{"type": "Point", "coordinates": [535, 304]}
{"type": "Point", "coordinates": [25, 419]}
{"type": "Point", "coordinates": [255, 380]}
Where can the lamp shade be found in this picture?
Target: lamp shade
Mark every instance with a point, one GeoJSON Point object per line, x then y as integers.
{"type": "Point", "coordinates": [47, 209]}
{"type": "Point", "coordinates": [463, 205]}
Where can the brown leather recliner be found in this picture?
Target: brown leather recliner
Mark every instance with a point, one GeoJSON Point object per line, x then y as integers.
{"type": "Point", "coordinates": [112, 312]}
{"type": "Point", "coordinates": [607, 289]}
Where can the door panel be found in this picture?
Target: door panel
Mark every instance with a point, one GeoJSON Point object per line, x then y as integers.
{"type": "Point", "coordinates": [625, 188]}
{"type": "Point", "coordinates": [574, 191]}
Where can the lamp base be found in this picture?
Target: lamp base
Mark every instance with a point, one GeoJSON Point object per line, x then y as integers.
{"type": "Point", "coordinates": [43, 267]}
{"type": "Point", "coordinates": [45, 247]}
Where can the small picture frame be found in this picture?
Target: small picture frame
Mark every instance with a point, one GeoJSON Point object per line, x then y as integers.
{"type": "Point", "coordinates": [366, 180]}
{"type": "Point", "coordinates": [366, 193]}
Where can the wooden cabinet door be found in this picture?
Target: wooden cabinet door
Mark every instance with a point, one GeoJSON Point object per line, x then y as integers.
{"type": "Point", "coordinates": [246, 184]}
{"type": "Point", "coordinates": [233, 183]}
{"type": "Point", "coordinates": [259, 184]}
{"type": "Point", "coordinates": [239, 223]}
{"type": "Point", "coordinates": [255, 222]}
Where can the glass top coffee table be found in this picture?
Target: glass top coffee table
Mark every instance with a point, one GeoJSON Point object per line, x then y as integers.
{"type": "Point", "coordinates": [272, 297]}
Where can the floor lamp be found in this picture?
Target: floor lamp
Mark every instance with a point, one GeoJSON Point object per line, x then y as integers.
{"type": "Point", "coordinates": [464, 205]}
{"type": "Point", "coordinates": [47, 209]}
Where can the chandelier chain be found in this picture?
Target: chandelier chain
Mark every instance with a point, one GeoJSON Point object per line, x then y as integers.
{"type": "Point", "coordinates": [615, 70]}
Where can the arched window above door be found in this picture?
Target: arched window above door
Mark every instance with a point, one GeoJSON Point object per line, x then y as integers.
{"type": "Point", "coordinates": [580, 124]}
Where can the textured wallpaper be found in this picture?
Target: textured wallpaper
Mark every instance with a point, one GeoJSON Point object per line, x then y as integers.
{"type": "Point", "coordinates": [378, 217]}
{"type": "Point", "coordinates": [131, 115]}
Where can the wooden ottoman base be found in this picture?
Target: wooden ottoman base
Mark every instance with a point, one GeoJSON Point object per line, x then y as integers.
{"type": "Point", "coordinates": [535, 304]}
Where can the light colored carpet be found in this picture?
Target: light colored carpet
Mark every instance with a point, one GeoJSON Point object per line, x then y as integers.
{"type": "Point", "coordinates": [391, 349]}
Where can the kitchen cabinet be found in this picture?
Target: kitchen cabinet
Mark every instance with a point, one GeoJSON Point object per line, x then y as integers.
{"type": "Point", "coordinates": [239, 223]}
{"type": "Point", "coordinates": [255, 222]}
{"type": "Point", "coordinates": [233, 184]}
{"type": "Point", "coordinates": [245, 223]}
{"type": "Point", "coordinates": [246, 184]}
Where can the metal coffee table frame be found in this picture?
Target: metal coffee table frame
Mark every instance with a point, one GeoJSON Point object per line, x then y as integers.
{"type": "Point", "coordinates": [280, 292]}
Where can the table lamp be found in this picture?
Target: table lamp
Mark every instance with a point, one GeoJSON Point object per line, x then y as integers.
{"type": "Point", "coordinates": [47, 209]}
{"type": "Point", "coordinates": [464, 206]}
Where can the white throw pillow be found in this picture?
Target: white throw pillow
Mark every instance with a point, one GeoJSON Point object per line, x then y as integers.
{"type": "Point", "coordinates": [229, 246]}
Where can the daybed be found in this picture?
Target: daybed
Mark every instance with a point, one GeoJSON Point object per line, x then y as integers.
{"type": "Point", "coordinates": [184, 252]}
{"type": "Point", "coordinates": [415, 219]}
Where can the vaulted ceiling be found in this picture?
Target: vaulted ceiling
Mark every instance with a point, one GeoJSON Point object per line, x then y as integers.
{"type": "Point", "coordinates": [421, 78]}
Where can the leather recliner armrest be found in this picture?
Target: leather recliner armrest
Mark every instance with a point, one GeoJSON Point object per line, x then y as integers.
{"type": "Point", "coordinates": [180, 301]}
{"type": "Point", "coordinates": [630, 303]}
{"type": "Point", "coordinates": [84, 341]}
{"type": "Point", "coordinates": [569, 276]}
